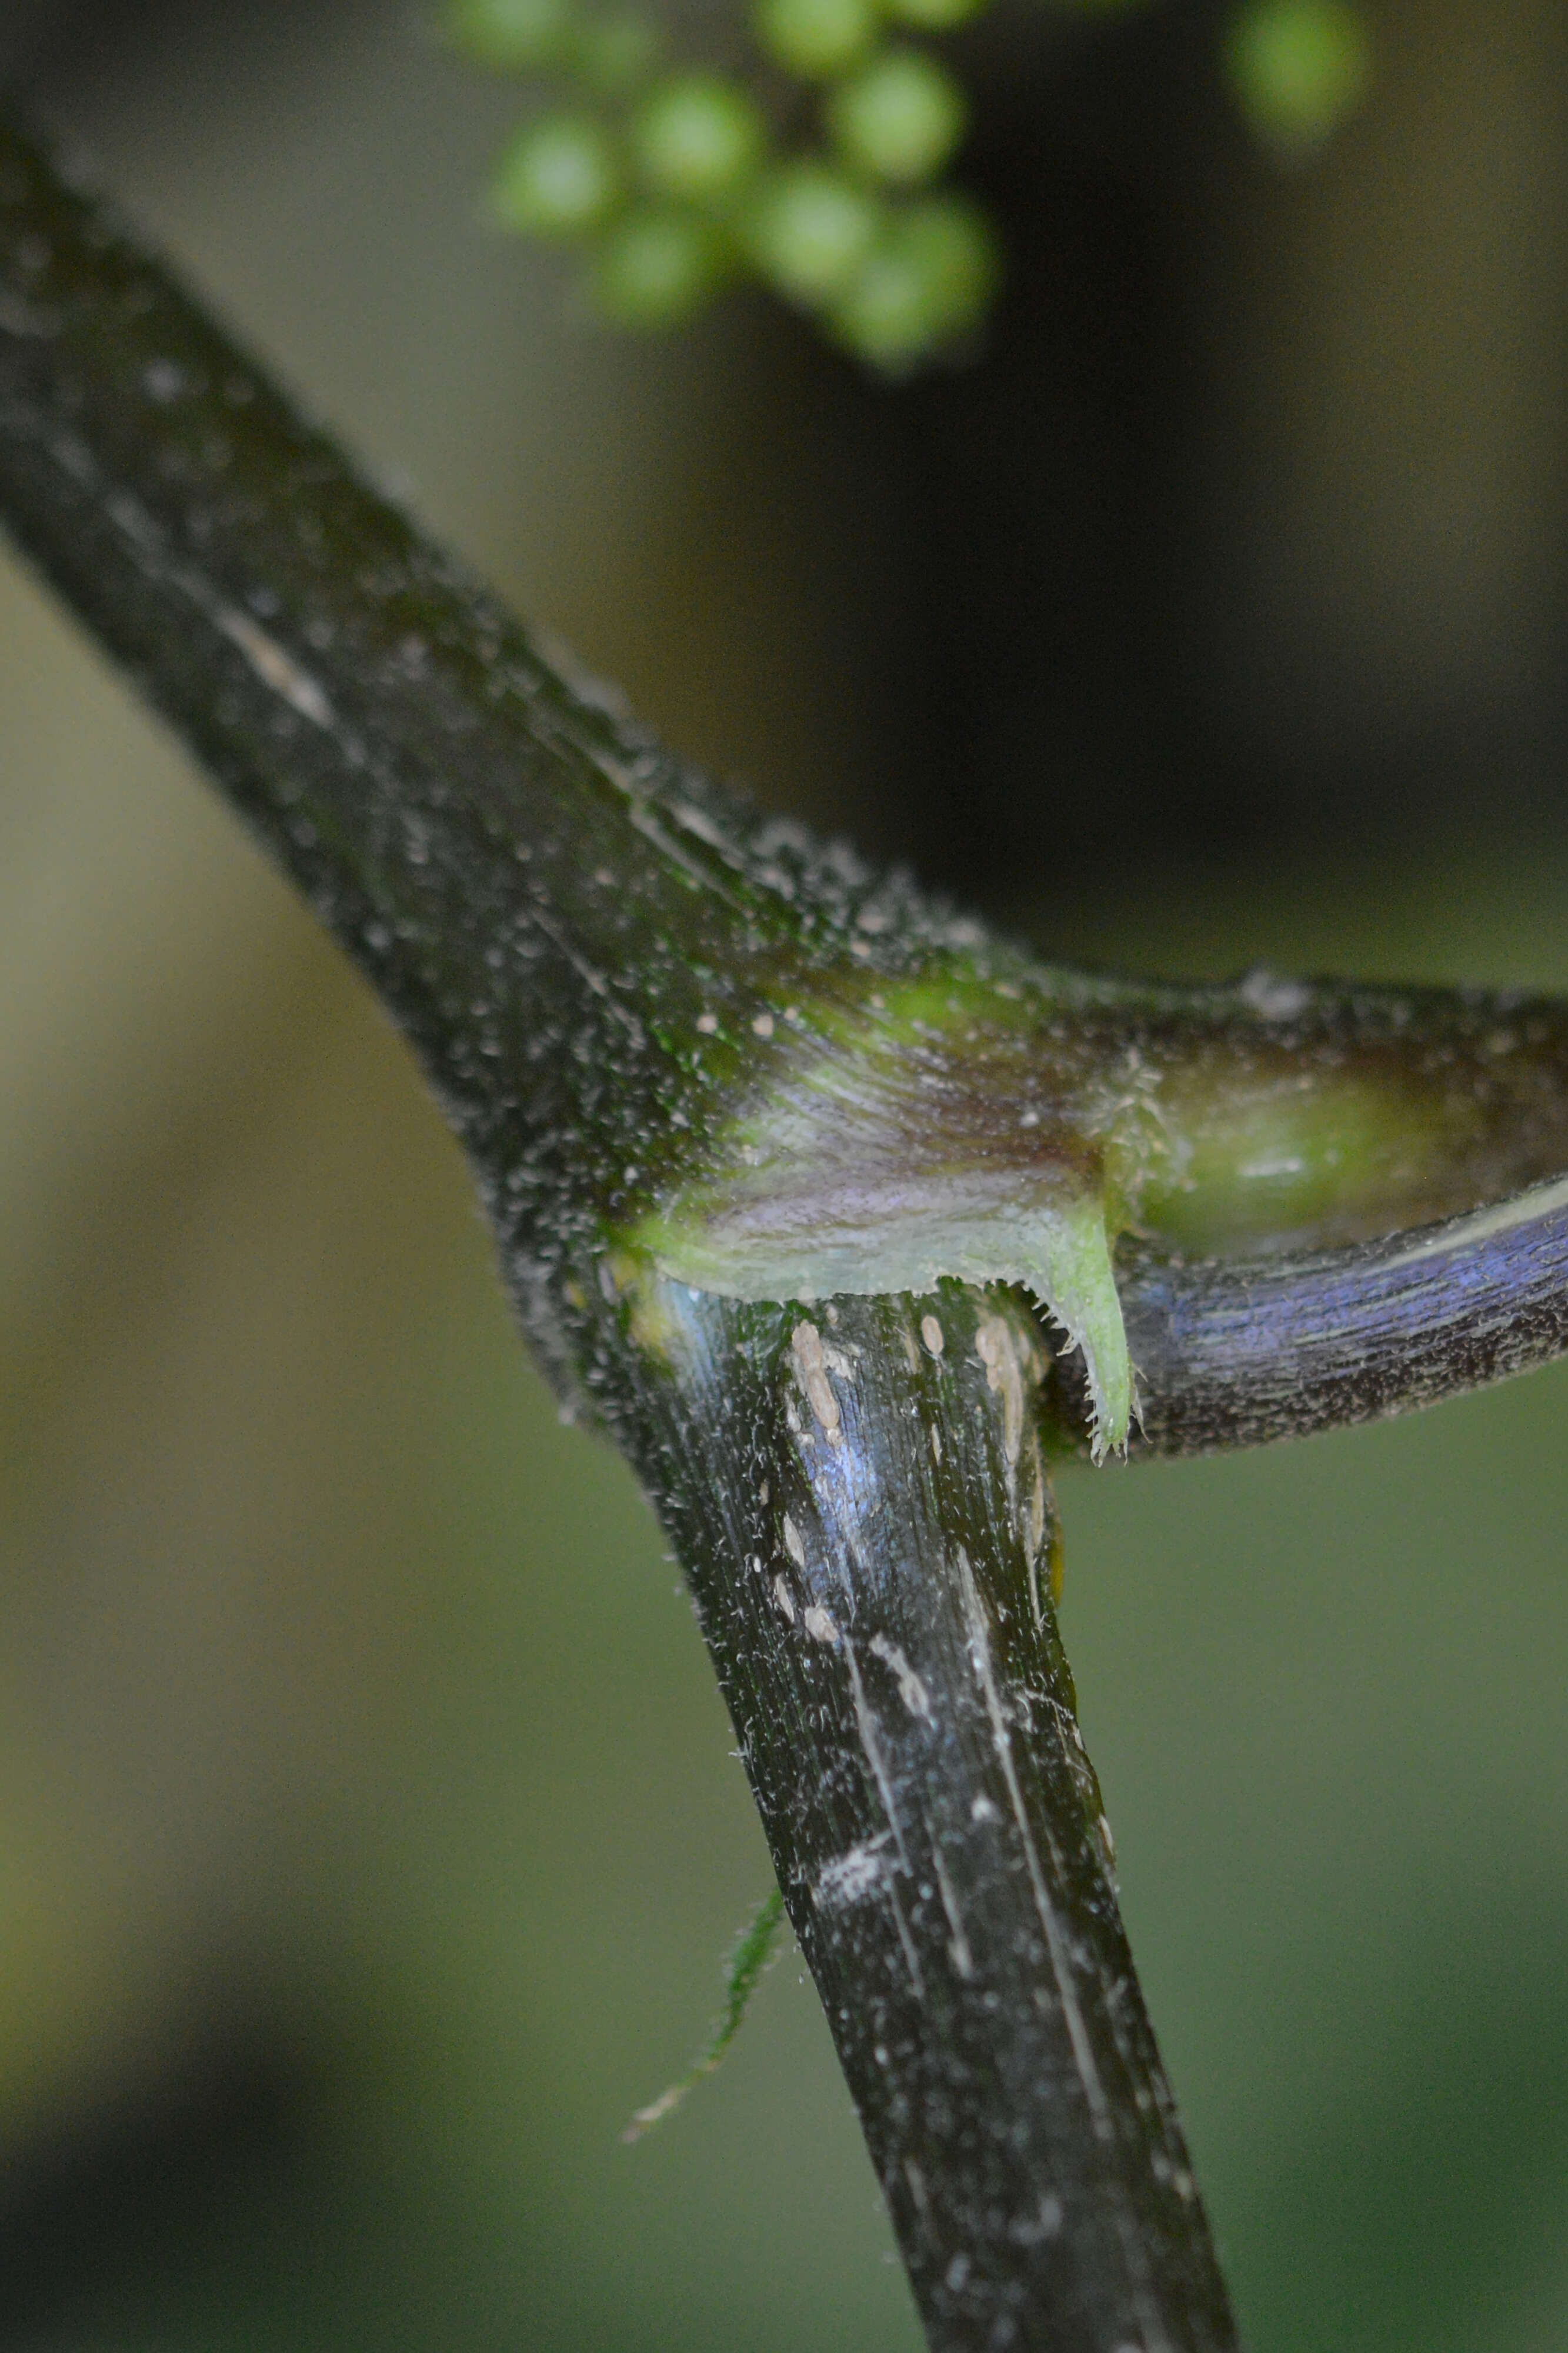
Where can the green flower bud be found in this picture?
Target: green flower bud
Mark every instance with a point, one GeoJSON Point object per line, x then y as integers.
{"type": "Point", "coordinates": [657, 266]}
{"type": "Point", "coordinates": [810, 229]}
{"type": "Point", "coordinates": [698, 137]}
{"type": "Point", "coordinates": [934, 16]}
{"type": "Point", "coordinates": [1298, 68]}
{"type": "Point", "coordinates": [928, 282]}
{"type": "Point", "coordinates": [512, 32]}
{"type": "Point", "coordinates": [559, 178]}
{"type": "Point", "coordinates": [614, 53]}
{"type": "Point", "coordinates": [899, 118]}
{"type": "Point", "coordinates": [813, 37]}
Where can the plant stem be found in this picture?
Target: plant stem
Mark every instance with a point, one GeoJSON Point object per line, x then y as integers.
{"type": "Point", "coordinates": [604, 964]}
{"type": "Point", "coordinates": [1237, 1354]}
{"type": "Point", "coordinates": [890, 1659]}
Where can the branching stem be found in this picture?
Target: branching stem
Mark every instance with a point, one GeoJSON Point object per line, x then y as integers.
{"type": "Point", "coordinates": [697, 1060]}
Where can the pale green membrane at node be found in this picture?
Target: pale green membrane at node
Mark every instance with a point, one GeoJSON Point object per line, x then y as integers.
{"type": "Point", "coordinates": [907, 1236]}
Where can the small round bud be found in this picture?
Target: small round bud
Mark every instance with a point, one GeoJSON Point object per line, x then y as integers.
{"type": "Point", "coordinates": [817, 38]}
{"type": "Point", "coordinates": [559, 178]}
{"type": "Point", "coordinates": [1298, 68]}
{"type": "Point", "coordinates": [899, 118]}
{"type": "Point", "coordinates": [810, 229]}
{"type": "Point", "coordinates": [611, 54]}
{"type": "Point", "coordinates": [928, 282]}
{"type": "Point", "coordinates": [657, 266]}
{"type": "Point", "coordinates": [934, 16]}
{"type": "Point", "coordinates": [698, 137]}
{"type": "Point", "coordinates": [512, 32]}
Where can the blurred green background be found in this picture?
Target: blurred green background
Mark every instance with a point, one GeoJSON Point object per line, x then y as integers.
{"type": "Point", "coordinates": [369, 1834]}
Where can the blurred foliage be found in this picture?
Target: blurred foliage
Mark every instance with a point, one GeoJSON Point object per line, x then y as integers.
{"type": "Point", "coordinates": [683, 182]}
{"type": "Point", "coordinates": [369, 1839]}
{"type": "Point", "coordinates": [1298, 67]}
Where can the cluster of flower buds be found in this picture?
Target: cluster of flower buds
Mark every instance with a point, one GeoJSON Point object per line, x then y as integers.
{"type": "Point", "coordinates": [1298, 68]}
{"type": "Point", "coordinates": [676, 181]}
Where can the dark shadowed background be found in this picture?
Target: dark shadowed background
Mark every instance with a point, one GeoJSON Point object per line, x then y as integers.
{"type": "Point", "coordinates": [369, 1835]}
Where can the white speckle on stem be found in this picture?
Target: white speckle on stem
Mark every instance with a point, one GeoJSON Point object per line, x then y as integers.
{"type": "Point", "coordinates": [276, 667]}
{"type": "Point", "coordinates": [1044, 2224]}
{"type": "Point", "coordinates": [785, 1599]}
{"type": "Point", "coordinates": [852, 1875]}
{"type": "Point", "coordinates": [911, 1690]}
{"type": "Point", "coordinates": [933, 1335]}
{"type": "Point", "coordinates": [1037, 1515]}
{"type": "Point", "coordinates": [819, 1625]}
{"type": "Point", "coordinates": [1057, 1945]}
{"type": "Point", "coordinates": [1274, 996]}
{"type": "Point", "coordinates": [708, 1023]}
{"type": "Point", "coordinates": [792, 1542]}
{"type": "Point", "coordinates": [164, 381]}
{"type": "Point", "coordinates": [871, 1748]}
{"type": "Point", "coordinates": [764, 1025]}
{"type": "Point", "coordinates": [958, 1943]}
{"type": "Point", "coordinates": [811, 1367]}
{"type": "Point", "coordinates": [997, 1349]}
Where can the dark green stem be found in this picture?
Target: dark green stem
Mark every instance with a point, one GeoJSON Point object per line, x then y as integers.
{"type": "Point", "coordinates": [868, 1531]}
{"type": "Point", "coordinates": [608, 969]}
{"type": "Point", "coordinates": [1235, 1354]}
